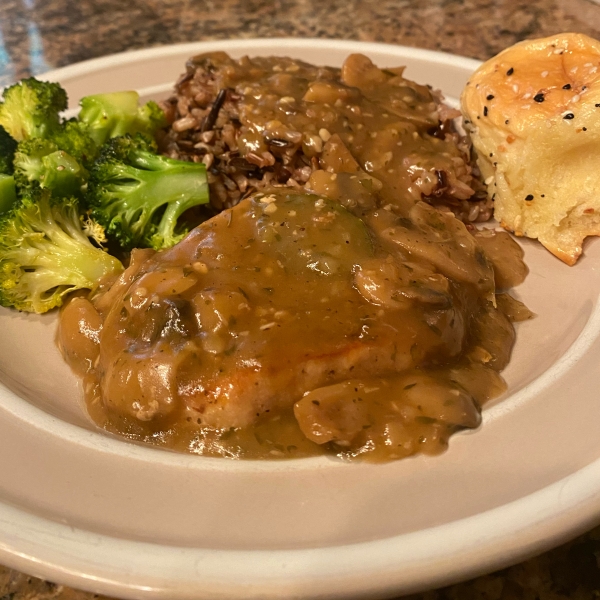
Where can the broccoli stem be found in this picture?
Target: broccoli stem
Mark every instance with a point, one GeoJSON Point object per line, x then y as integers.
{"type": "Point", "coordinates": [165, 236]}
{"type": "Point", "coordinates": [8, 193]}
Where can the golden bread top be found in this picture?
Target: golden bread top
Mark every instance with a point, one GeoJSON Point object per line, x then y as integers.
{"type": "Point", "coordinates": [536, 80]}
{"type": "Point", "coordinates": [533, 113]}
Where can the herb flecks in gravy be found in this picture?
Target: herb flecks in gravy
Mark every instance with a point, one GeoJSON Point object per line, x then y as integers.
{"type": "Point", "coordinates": [291, 326]}
{"type": "Point", "coordinates": [348, 318]}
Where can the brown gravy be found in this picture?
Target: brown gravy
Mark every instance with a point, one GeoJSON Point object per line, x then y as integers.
{"type": "Point", "coordinates": [354, 320]}
{"type": "Point", "coordinates": [289, 326]}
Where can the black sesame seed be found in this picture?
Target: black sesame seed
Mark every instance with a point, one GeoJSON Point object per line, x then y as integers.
{"type": "Point", "coordinates": [490, 97]}
{"type": "Point", "coordinates": [529, 197]}
{"type": "Point", "coordinates": [491, 154]}
{"type": "Point", "coordinates": [584, 128]}
{"type": "Point", "coordinates": [569, 116]}
{"type": "Point", "coordinates": [567, 86]}
{"type": "Point", "coordinates": [506, 122]}
{"type": "Point", "coordinates": [597, 105]}
{"type": "Point", "coordinates": [539, 97]}
{"type": "Point", "coordinates": [510, 71]}
{"type": "Point", "coordinates": [485, 111]}
{"type": "Point", "coordinates": [543, 195]}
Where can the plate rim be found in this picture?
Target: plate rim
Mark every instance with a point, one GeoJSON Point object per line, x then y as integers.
{"type": "Point", "coordinates": [132, 56]}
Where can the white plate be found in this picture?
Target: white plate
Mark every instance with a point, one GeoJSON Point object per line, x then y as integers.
{"type": "Point", "coordinates": [83, 508]}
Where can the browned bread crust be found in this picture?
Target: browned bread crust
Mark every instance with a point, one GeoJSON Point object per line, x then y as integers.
{"type": "Point", "coordinates": [533, 113]}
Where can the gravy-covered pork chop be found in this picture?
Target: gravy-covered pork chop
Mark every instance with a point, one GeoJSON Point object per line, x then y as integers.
{"type": "Point", "coordinates": [251, 319]}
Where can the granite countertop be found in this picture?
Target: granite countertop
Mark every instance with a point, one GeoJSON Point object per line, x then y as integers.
{"type": "Point", "coordinates": [38, 35]}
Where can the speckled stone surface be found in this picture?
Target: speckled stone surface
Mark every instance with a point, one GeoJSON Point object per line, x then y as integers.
{"type": "Point", "coordinates": [42, 34]}
{"type": "Point", "coordinates": [38, 35]}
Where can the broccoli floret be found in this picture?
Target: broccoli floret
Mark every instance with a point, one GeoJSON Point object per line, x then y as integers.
{"type": "Point", "coordinates": [73, 138]}
{"type": "Point", "coordinates": [31, 108]}
{"type": "Point", "coordinates": [8, 145]}
{"type": "Point", "coordinates": [138, 196]}
{"type": "Point", "coordinates": [44, 254]}
{"type": "Point", "coordinates": [8, 192]}
{"type": "Point", "coordinates": [94, 230]}
{"type": "Point", "coordinates": [150, 119]}
{"type": "Point", "coordinates": [39, 163]}
{"type": "Point", "coordinates": [112, 115]}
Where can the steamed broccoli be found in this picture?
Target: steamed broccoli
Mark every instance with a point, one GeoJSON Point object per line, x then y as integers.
{"type": "Point", "coordinates": [31, 108]}
{"type": "Point", "coordinates": [8, 192]}
{"type": "Point", "coordinates": [39, 163]}
{"type": "Point", "coordinates": [8, 145]}
{"type": "Point", "coordinates": [73, 138]}
{"type": "Point", "coordinates": [44, 254]}
{"type": "Point", "coordinates": [112, 115]}
{"type": "Point", "coordinates": [138, 196]}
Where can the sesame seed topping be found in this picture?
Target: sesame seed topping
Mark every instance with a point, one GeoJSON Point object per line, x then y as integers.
{"type": "Point", "coordinates": [558, 51]}
{"type": "Point", "coordinates": [576, 98]}
{"type": "Point", "coordinates": [510, 71]}
{"type": "Point", "coordinates": [597, 105]}
{"type": "Point", "coordinates": [544, 73]}
{"type": "Point", "coordinates": [506, 122]}
{"type": "Point", "coordinates": [529, 197]}
{"type": "Point", "coordinates": [584, 128]}
{"type": "Point", "coordinates": [490, 97]}
{"type": "Point", "coordinates": [515, 88]}
{"type": "Point", "coordinates": [568, 116]}
{"type": "Point", "coordinates": [567, 86]}
{"type": "Point", "coordinates": [539, 97]}
{"type": "Point", "coordinates": [485, 111]}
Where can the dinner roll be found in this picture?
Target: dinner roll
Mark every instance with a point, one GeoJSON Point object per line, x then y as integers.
{"type": "Point", "coordinates": [533, 113]}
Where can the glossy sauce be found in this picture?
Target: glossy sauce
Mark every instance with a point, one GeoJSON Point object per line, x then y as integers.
{"type": "Point", "coordinates": [370, 126]}
{"type": "Point", "coordinates": [348, 318]}
{"type": "Point", "coordinates": [291, 326]}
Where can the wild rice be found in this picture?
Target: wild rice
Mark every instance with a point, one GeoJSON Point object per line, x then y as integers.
{"type": "Point", "coordinates": [205, 127]}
